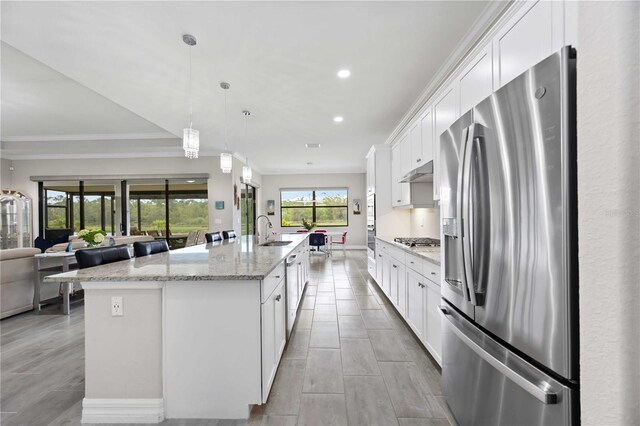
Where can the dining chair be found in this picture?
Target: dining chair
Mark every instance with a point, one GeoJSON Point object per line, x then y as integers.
{"type": "Point", "coordinates": [302, 231]}
{"type": "Point", "coordinates": [317, 240]}
{"type": "Point", "coordinates": [342, 240]}
{"type": "Point", "coordinates": [201, 237]}
{"type": "Point", "coordinates": [191, 238]}
{"type": "Point", "coordinates": [323, 231]}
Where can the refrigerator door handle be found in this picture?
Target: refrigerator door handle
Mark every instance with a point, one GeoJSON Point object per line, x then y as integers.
{"type": "Point", "coordinates": [459, 210]}
{"type": "Point", "coordinates": [465, 207]}
{"type": "Point", "coordinates": [541, 391]}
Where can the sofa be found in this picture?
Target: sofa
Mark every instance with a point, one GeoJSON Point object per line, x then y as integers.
{"type": "Point", "coordinates": [17, 279]}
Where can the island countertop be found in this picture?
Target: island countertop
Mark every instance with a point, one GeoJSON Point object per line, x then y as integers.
{"type": "Point", "coordinates": [238, 259]}
{"type": "Point", "coordinates": [432, 254]}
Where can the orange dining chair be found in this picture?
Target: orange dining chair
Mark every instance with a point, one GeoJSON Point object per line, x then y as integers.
{"type": "Point", "coordinates": [302, 231]}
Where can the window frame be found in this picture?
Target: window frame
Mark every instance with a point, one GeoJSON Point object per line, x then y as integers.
{"type": "Point", "coordinates": [313, 206]}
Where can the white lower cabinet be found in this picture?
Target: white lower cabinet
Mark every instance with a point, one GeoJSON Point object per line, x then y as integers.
{"type": "Point", "coordinates": [274, 336]}
{"type": "Point", "coordinates": [415, 303]}
{"type": "Point", "coordinates": [433, 339]}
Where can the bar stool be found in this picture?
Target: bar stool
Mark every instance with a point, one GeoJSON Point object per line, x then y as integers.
{"type": "Point", "coordinates": [102, 255]}
{"type": "Point", "coordinates": [145, 248]}
{"type": "Point", "coordinates": [227, 235]}
{"type": "Point", "coordinates": [212, 237]}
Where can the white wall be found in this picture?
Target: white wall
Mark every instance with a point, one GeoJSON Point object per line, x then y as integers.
{"type": "Point", "coordinates": [609, 211]}
{"type": "Point", "coordinates": [219, 184]}
{"type": "Point", "coordinates": [425, 222]}
{"type": "Point", "coordinates": [355, 182]}
{"type": "Point", "coordinates": [5, 174]}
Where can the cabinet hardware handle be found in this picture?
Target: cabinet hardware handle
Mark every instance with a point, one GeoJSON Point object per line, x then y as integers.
{"type": "Point", "coordinates": [379, 255]}
{"type": "Point", "coordinates": [398, 201]}
{"type": "Point", "coordinates": [418, 160]}
{"type": "Point", "coordinates": [278, 297]}
{"type": "Point", "coordinates": [278, 276]}
{"type": "Point", "coordinates": [412, 262]}
{"type": "Point", "coordinates": [395, 266]}
{"type": "Point", "coordinates": [433, 273]}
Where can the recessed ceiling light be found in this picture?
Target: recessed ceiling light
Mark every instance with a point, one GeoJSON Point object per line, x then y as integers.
{"type": "Point", "coordinates": [344, 73]}
{"type": "Point", "coordinates": [312, 145]}
{"type": "Point", "coordinates": [190, 181]}
{"type": "Point", "coordinates": [338, 119]}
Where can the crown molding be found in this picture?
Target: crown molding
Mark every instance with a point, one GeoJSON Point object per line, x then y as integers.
{"type": "Point", "coordinates": [89, 137]}
{"type": "Point", "coordinates": [483, 29]}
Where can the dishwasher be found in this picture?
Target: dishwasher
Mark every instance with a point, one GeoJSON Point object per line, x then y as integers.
{"type": "Point", "coordinates": [293, 291]}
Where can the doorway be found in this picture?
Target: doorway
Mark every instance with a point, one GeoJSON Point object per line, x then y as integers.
{"type": "Point", "coordinates": [248, 210]}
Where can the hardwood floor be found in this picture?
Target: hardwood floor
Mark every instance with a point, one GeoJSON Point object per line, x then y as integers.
{"type": "Point", "coordinates": [351, 360]}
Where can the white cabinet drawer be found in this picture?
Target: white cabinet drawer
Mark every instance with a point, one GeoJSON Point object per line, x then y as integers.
{"type": "Point", "coordinates": [431, 271]}
{"type": "Point", "coordinates": [397, 253]}
{"type": "Point", "coordinates": [415, 262]}
{"type": "Point", "coordinates": [271, 281]}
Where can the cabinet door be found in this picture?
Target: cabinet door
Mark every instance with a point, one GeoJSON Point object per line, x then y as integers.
{"type": "Point", "coordinates": [371, 174]}
{"type": "Point", "coordinates": [396, 195]}
{"type": "Point", "coordinates": [268, 346]}
{"type": "Point", "coordinates": [415, 303]}
{"type": "Point", "coordinates": [379, 271]}
{"type": "Point", "coordinates": [386, 274]}
{"type": "Point", "coordinates": [444, 114]}
{"type": "Point", "coordinates": [433, 332]}
{"type": "Point", "coordinates": [416, 145]}
{"type": "Point", "coordinates": [393, 282]}
{"type": "Point", "coordinates": [476, 80]}
{"type": "Point", "coordinates": [402, 290]}
{"type": "Point", "coordinates": [524, 41]}
{"type": "Point", "coordinates": [406, 150]}
{"type": "Point", "coordinates": [280, 321]}
{"type": "Point", "coordinates": [426, 137]}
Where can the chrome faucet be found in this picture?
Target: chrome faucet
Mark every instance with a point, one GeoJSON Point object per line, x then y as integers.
{"type": "Point", "coordinates": [269, 224]}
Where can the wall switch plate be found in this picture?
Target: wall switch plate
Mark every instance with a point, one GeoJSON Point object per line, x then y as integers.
{"type": "Point", "coordinates": [116, 306]}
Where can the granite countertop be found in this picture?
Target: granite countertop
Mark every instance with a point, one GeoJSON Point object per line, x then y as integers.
{"type": "Point", "coordinates": [432, 254]}
{"type": "Point", "coordinates": [238, 259]}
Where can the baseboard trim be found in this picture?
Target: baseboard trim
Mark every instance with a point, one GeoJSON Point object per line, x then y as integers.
{"type": "Point", "coordinates": [95, 410]}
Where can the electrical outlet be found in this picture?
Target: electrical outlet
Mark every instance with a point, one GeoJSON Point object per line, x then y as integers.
{"type": "Point", "coordinates": [116, 306]}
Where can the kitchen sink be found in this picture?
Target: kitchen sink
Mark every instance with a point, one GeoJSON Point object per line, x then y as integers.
{"type": "Point", "coordinates": [275, 243]}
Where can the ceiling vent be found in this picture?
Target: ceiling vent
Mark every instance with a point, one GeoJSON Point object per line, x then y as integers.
{"type": "Point", "coordinates": [312, 145]}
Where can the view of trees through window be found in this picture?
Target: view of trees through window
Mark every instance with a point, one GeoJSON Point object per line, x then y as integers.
{"type": "Point", "coordinates": [324, 207]}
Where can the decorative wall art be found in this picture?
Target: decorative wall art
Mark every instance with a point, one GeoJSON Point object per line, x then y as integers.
{"type": "Point", "coordinates": [356, 206]}
{"type": "Point", "coordinates": [271, 207]}
{"type": "Point", "coordinates": [219, 205]}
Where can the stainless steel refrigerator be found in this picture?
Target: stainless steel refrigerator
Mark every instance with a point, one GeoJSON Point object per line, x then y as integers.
{"type": "Point", "coordinates": [510, 294]}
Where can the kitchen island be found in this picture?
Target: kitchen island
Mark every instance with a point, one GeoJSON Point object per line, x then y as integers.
{"type": "Point", "coordinates": [197, 332]}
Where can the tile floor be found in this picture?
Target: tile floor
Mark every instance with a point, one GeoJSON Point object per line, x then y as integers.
{"type": "Point", "coordinates": [350, 361]}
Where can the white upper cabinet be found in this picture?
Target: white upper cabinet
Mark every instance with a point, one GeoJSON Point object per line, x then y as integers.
{"type": "Point", "coordinates": [524, 41]}
{"type": "Point", "coordinates": [445, 113]}
{"type": "Point", "coordinates": [415, 134]}
{"type": "Point", "coordinates": [426, 138]}
{"type": "Point", "coordinates": [406, 165]}
{"type": "Point", "coordinates": [476, 81]}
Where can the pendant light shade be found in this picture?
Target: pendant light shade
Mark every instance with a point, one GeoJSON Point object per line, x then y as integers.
{"type": "Point", "coordinates": [190, 136]}
{"type": "Point", "coordinates": [226, 162]}
{"type": "Point", "coordinates": [246, 174]}
{"type": "Point", "coordinates": [191, 142]}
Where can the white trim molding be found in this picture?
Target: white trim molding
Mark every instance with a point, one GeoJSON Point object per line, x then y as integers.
{"type": "Point", "coordinates": [142, 410]}
{"type": "Point", "coordinates": [90, 137]}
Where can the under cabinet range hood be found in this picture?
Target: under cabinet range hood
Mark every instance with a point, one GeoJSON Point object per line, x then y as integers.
{"type": "Point", "coordinates": [423, 173]}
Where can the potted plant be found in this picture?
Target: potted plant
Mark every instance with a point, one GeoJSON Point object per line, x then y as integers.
{"type": "Point", "coordinates": [93, 237]}
{"type": "Point", "coordinates": [308, 225]}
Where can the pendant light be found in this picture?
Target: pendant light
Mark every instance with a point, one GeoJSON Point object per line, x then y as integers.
{"type": "Point", "coordinates": [226, 159]}
{"type": "Point", "coordinates": [190, 136]}
{"type": "Point", "coordinates": [246, 170]}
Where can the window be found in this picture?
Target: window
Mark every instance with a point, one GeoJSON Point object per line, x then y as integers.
{"type": "Point", "coordinates": [57, 217]}
{"type": "Point", "coordinates": [325, 207]}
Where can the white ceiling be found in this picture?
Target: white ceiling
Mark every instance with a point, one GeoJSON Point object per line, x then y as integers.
{"type": "Point", "coordinates": [121, 69]}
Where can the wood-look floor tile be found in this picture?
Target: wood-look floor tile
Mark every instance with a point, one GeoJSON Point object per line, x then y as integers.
{"type": "Point", "coordinates": [304, 319]}
{"type": "Point", "coordinates": [324, 372]}
{"type": "Point", "coordinates": [423, 422]}
{"type": "Point", "coordinates": [279, 420]}
{"type": "Point", "coordinates": [323, 410]}
{"type": "Point", "coordinates": [347, 307]}
{"type": "Point", "coordinates": [376, 320]}
{"type": "Point", "coordinates": [325, 313]}
{"type": "Point", "coordinates": [367, 302]}
{"type": "Point", "coordinates": [352, 326]}
{"type": "Point", "coordinates": [284, 398]}
{"type": "Point", "coordinates": [358, 358]}
{"type": "Point", "coordinates": [324, 335]}
{"type": "Point", "coordinates": [387, 346]}
{"type": "Point", "coordinates": [409, 395]}
{"type": "Point", "coordinates": [47, 409]}
{"type": "Point", "coordinates": [325, 298]}
{"type": "Point", "coordinates": [368, 402]}
{"type": "Point", "coordinates": [311, 290]}
{"type": "Point", "coordinates": [342, 284]}
{"type": "Point", "coordinates": [344, 294]}
{"type": "Point", "coordinates": [298, 345]}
